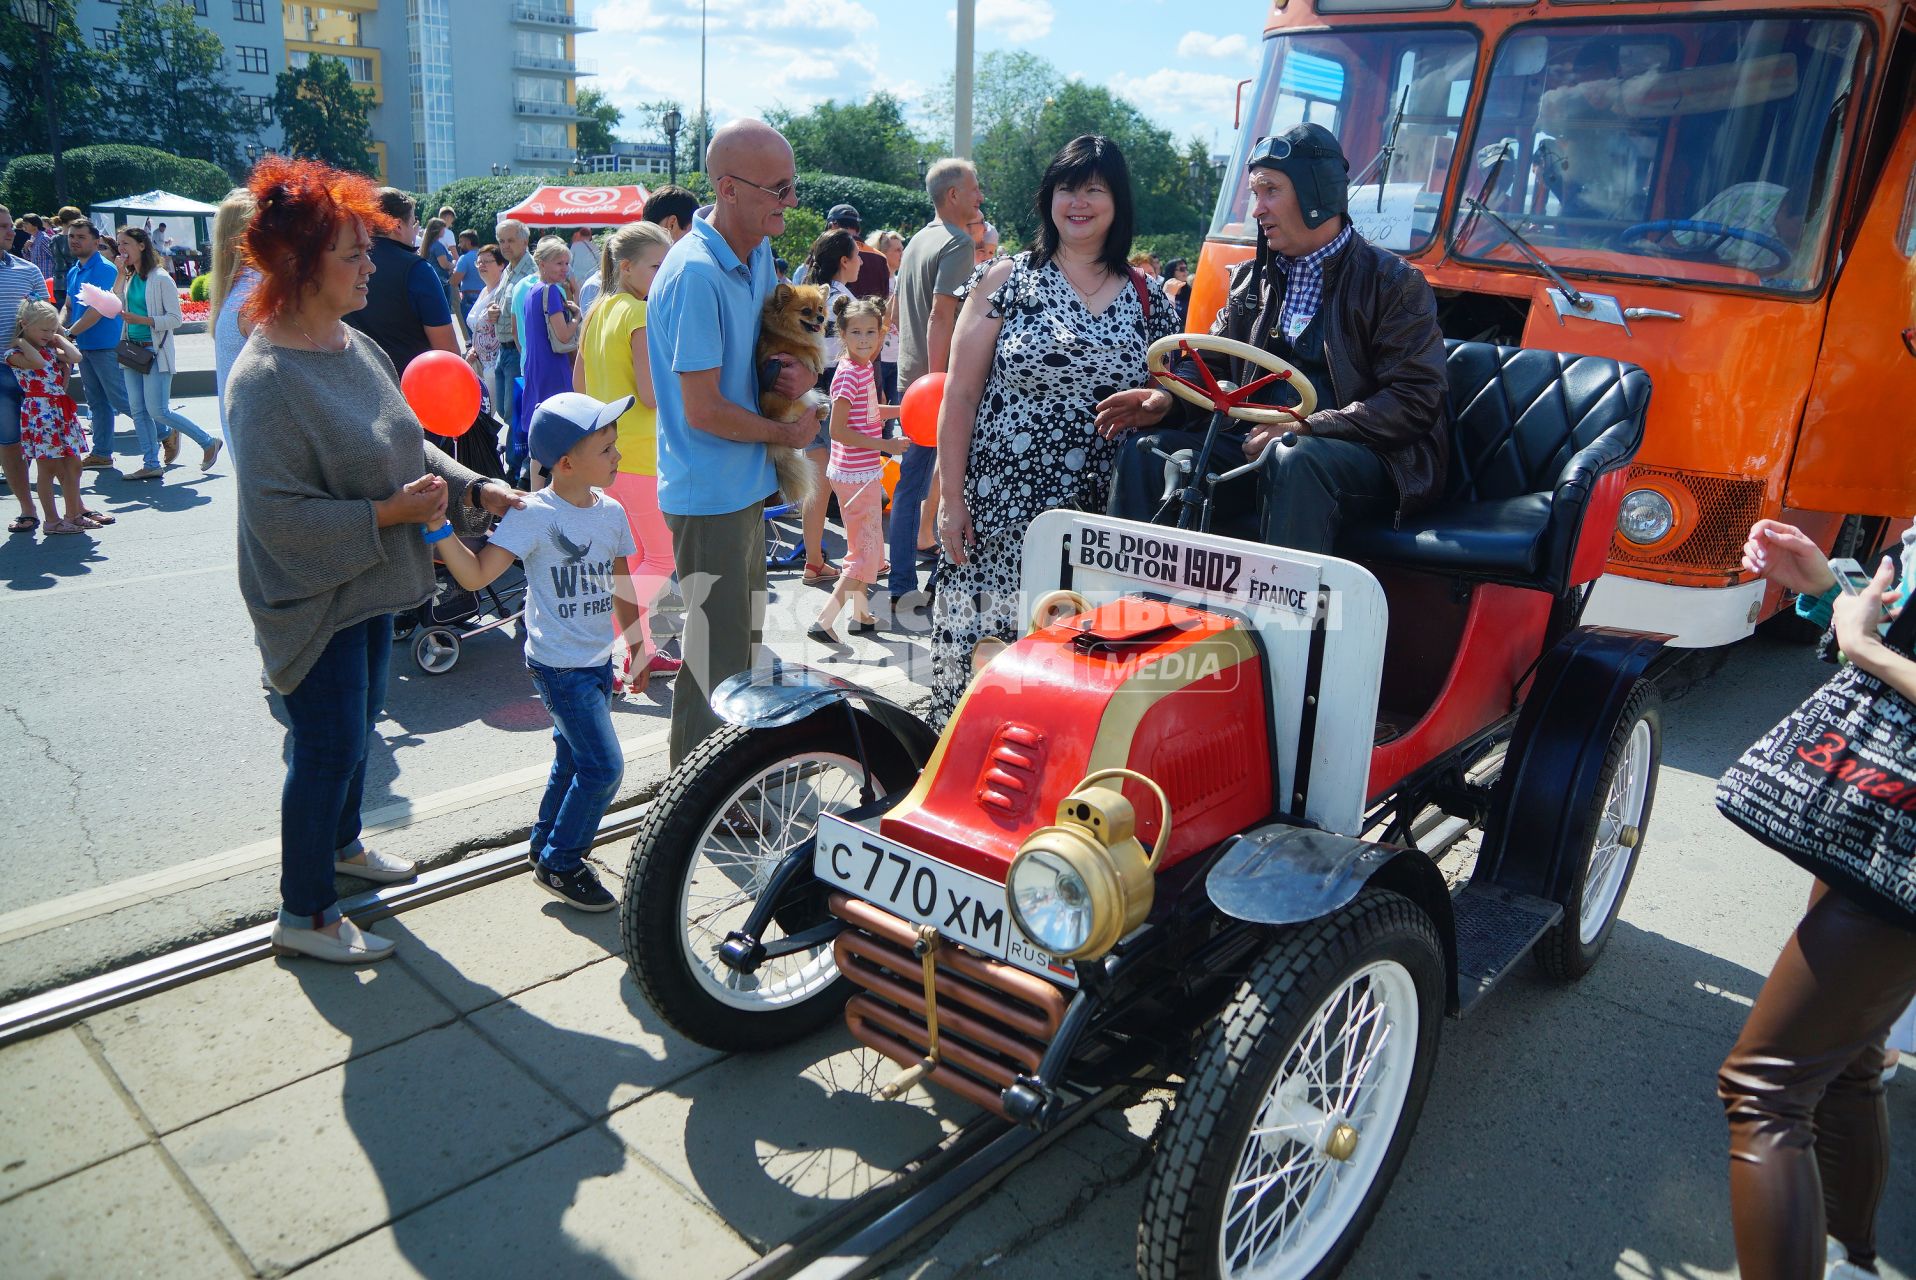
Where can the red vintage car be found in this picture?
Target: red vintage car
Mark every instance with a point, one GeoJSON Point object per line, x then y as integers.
{"type": "Point", "coordinates": [1191, 823]}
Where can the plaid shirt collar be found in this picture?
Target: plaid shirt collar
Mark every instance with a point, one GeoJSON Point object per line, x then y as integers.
{"type": "Point", "coordinates": [1304, 290]}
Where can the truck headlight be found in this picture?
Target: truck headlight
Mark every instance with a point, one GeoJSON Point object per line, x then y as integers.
{"type": "Point", "coordinates": [1645, 517]}
{"type": "Point", "coordinates": [1078, 886]}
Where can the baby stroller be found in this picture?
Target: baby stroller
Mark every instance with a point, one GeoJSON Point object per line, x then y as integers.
{"type": "Point", "coordinates": [454, 615]}
{"type": "Point", "coordinates": [440, 627]}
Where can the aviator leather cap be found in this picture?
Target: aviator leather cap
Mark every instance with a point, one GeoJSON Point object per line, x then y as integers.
{"type": "Point", "coordinates": [1309, 155]}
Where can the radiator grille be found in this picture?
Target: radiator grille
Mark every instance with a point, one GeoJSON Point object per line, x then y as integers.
{"type": "Point", "coordinates": [1726, 507]}
{"type": "Point", "coordinates": [994, 1021]}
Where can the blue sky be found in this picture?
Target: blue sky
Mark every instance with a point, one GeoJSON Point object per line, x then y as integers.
{"type": "Point", "coordinates": [1177, 60]}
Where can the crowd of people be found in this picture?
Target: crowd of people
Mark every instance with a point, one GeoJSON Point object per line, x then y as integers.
{"type": "Point", "coordinates": [624, 372]}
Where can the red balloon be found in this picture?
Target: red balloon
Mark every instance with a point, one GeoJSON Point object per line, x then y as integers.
{"type": "Point", "coordinates": [442, 391]}
{"type": "Point", "coordinates": [918, 411]}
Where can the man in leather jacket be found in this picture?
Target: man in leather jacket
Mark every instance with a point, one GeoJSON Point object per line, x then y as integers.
{"type": "Point", "coordinates": [1356, 320]}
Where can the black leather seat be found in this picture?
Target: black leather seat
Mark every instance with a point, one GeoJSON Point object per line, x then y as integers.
{"type": "Point", "coordinates": [1530, 433]}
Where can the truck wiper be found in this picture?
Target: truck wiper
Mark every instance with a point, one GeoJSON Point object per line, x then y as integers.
{"type": "Point", "coordinates": [1386, 153]}
{"type": "Point", "coordinates": [1569, 291]}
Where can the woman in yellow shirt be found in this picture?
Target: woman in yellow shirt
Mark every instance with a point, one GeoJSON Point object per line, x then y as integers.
{"type": "Point", "coordinates": [613, 362]}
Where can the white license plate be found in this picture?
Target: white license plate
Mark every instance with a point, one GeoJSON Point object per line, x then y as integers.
{"type": "Point", "coordinates": [915, 886]}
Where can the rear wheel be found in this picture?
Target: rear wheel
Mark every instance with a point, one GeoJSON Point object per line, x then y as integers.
{"type": "Point", "coordinates": [1612, 839]}
{"type": "Point", "coordinates": [704, 852]}
{"type": "Point", "coordinates": [1301, 1103]}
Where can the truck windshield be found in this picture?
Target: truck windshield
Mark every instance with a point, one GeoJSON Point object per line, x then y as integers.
{"type": "Point", "coordinates": [1359, 84]}
{"type": "Point", "coordinates": [1704, 151]}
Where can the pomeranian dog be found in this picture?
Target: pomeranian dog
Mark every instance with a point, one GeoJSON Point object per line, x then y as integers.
{"type": "Point", "coordinates": [793, 324]}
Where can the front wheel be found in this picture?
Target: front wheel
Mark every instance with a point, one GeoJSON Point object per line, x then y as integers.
{"type": "Point", "coordinates": [1301, 1103]}
{"type": "Point", "coordinates": [1612, 838]}
{"type": "Point", "coordinates": [705, 850]}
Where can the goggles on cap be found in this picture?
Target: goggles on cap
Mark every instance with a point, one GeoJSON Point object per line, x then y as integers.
{"type": "Point", "coordinates": [1278, 148]}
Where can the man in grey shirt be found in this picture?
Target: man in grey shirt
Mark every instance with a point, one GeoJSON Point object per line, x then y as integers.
{"type": "Point", "coordinates": [937, 262]}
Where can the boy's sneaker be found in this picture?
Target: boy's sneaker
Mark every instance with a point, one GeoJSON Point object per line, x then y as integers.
{"type": "Point", "coordinates": [579, 888]}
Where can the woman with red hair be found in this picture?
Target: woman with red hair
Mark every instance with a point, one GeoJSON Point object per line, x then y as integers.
{"type": "Point", "coordinates": [337, 487]}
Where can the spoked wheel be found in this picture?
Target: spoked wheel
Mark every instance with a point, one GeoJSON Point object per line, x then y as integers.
{"type": "Point", "coordinates": [705, 850]}
{"type": "Point", "coordinates": [1613, 836]}
{"type": "Point", "coordinates": [436, 650]}
{"type": "Point", "coordinates": [1301, 1102]}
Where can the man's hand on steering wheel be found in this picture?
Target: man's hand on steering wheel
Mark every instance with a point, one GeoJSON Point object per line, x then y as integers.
{"type": "Point", "coordinates": [1130, 410]}
{"type": "Point", "coordinates": [1260, 436]}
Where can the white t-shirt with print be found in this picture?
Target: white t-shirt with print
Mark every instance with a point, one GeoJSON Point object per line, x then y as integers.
{"type": "Point", "coordinates": [570, 554]}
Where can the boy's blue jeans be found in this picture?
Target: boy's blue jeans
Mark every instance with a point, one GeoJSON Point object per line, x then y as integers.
{"type": "Point", "coordinates": [587, 763]}
{"type": "Point", "coordinates": [332, 713]}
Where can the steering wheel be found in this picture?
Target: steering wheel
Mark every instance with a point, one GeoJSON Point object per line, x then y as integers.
{"type": "Point", "coordinates": [1205, 391]}
{"type": "Point", "coordinates": [1720, 230]}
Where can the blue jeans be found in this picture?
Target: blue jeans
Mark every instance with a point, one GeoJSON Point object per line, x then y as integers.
{"type": "Point", "coordinates": [587, 762]}
{"type": "Point", "coordinates": [914, 482]}
{"type": "Point", "coordinates": [101, 375]}
{"type": "Point", "coordinates": [332, 712]}
{"type": "Point", "coordinates": [153, 416]}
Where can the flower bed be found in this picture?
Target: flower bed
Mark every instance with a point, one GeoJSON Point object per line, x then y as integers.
{"type": "Point", "coordinates": [194, 312]}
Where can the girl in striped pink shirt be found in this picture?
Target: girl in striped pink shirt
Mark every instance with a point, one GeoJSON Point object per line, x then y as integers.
{"type": "Point", "coordinates": [857, 462]}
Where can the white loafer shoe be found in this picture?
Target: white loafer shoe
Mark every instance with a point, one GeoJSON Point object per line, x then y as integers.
{"type": "Point", "coordinates": [353, 945]}
{"type": "Point", "coordinates": [371, 864]}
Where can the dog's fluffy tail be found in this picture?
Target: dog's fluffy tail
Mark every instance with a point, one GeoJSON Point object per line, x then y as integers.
{"type": "Point", "coordinates": [796, 479]}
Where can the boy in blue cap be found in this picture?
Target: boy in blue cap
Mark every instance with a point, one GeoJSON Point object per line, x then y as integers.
{"type": "Point", "coordinates": [574, 541]}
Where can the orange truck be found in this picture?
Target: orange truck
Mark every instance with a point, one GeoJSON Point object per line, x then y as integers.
{"type": "Point", "coordinates": [1722, 193]}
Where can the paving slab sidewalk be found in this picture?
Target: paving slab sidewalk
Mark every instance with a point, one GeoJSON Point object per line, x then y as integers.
{"type": "Point", "coordinates": [496, 1099]}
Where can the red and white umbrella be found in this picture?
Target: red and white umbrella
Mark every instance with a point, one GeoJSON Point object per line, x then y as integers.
{"type": "Point", "coordinates": [580, 206]}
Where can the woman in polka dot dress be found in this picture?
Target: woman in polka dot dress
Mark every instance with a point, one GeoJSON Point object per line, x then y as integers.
{"type": "Point", "coordinates": [1042, 338]}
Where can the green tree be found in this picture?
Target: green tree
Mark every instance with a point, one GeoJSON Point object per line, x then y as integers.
{"type": "Point", "coordinates": [1024, 113]}
{"type": "Point", "coordinates": [597, 119]}
{"type": "Point", "coordinates": [324, 116]}
{"type": "Point", "coordinates": [78, 74]}
{"type": "Point", "coordinates": [649, 126]}
{"type": "Point", "coordinates": [869, 139]}
{"type": "Point", "coordinates": [171, 91]}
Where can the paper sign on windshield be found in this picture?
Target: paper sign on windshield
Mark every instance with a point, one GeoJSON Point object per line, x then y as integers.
{"type": "Point", "coordinates": [1391, 226]}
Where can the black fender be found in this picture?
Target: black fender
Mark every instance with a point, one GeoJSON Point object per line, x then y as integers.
{"type": "Point", "coordinates": [1283, 874]}
{"type": "Point", "coordinates": [780, 693]}
{"type": "Point", "coordinates": [1556, 753]}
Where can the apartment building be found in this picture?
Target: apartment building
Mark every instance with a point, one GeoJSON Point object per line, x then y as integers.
{"type": "Point", "coordinates": [460, 87]}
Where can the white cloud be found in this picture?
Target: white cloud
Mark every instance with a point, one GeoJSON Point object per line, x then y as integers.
{"type": "Point", "coordinates": [1202, 44]}
{"type": "Point", "coordinates": [1199, 92]}
{"type": "Point", "coordinates": [1017, 21]}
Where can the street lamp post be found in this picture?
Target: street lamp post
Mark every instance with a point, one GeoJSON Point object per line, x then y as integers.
{"type": "Point", "coordinates": [44, 17]}
{"type": "Point", "coordinates": [671, 124]}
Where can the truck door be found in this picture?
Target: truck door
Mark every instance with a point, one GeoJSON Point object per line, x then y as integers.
{"type": "Point", "coordinates": [1856, 453]}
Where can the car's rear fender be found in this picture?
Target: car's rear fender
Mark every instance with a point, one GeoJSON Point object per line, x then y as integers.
{"type": "Point", "coordinates": [1550, 775]}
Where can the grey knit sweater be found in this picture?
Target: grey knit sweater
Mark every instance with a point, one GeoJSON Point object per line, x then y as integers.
{"type": "Point", "coordinates": [318, 437]}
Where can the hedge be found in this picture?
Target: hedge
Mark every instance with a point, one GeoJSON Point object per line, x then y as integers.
{"type": "Point", "coordinates": [879, 204]}
{"type": "Point", "coordinates": [107, 172]}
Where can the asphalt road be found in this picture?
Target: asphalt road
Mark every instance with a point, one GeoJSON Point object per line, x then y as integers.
{"type": "Point", "coordinates": [1570, 1131]}
{"type": "Point", "coordinates": [138, 744]}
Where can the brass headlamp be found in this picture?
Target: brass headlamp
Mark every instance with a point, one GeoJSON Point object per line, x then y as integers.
{"type": "Point", "coordinates": [1078, 886]}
